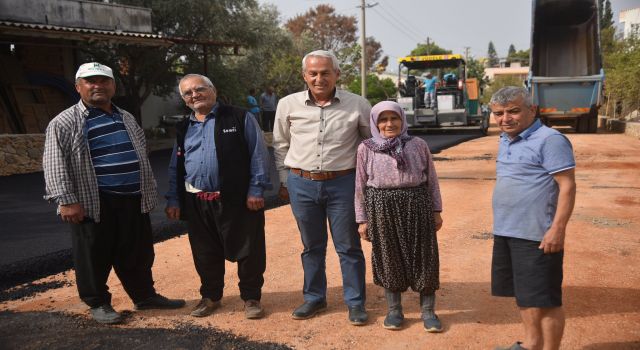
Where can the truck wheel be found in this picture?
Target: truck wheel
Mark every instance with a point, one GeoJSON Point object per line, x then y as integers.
{"type": "Point", "coordinates": [593, 123]}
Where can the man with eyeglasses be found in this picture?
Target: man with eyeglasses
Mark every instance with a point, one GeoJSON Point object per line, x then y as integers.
{"type": "Point", "coordinates": [218, 172]}
{"type": "Point", "coordinates": [533, 199]}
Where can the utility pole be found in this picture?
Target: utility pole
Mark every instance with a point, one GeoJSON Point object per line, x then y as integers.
{"type": "Point", "coordinates": [363, 46]}
{"type": "Point", "coordinates": [466, 52]}
{"type": "Point", "coordinates": [428, 46]}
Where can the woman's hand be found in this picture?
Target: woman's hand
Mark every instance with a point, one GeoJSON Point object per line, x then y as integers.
{"type": "Point", "coordinates": [362, 230]}
{"type": "Point", "coordinates": [438, 219]}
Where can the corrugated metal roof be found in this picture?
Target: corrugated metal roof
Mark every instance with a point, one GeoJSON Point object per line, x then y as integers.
{"type": "Point", "coordinates": [17, 28]}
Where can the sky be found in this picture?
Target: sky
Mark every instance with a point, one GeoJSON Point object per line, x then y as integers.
{"type": "Point", "coordinates": [399, 25]}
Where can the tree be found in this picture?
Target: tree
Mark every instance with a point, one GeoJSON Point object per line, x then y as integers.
{"type": "Point", "coordinates": [492, 55]}
{"type": "Point", "coordinates": [335, 33]}
{"type": "Point", "coordinates": [621, 65]}
{"type": "Point", "coordinates": [521, 56]}
{"type": "Point", "coordinates": [430, 48]}
{"type": "Point", "coordinates": [332, 31]}
{"type": "Point", "coordinates": [475, 69]}
{"type": "Point", "coordinates": [512, 50]}
{"type": "Point", "coordinates": [498, 83]}
{"type": "Point", "coordinates": [605, 14]}
{"type": "Point", "coordinates": [141, 71]}
{"type": "Point", "coordinates": [377, 90]}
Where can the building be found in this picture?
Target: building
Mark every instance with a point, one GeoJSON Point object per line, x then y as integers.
{"type": "Point", "coordinates": [513, 69]}
{"type": "Point", "coordinates": [630, 19]}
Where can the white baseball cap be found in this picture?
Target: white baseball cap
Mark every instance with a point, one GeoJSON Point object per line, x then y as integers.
{"type": "Point", "coordinates": [94, 68]}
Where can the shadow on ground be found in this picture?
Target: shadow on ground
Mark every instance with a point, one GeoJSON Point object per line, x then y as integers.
{"type": "Point", "coordinates": [60, 331]}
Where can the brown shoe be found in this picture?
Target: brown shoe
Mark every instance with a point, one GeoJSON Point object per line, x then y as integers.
{"type": "Point", "coordinates": [253, 310]}
{"type": "Point", "coordinates": [205, 307]}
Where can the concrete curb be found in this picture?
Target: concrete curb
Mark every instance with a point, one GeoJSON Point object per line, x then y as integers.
{"type": "Point", "coordinates": [619, 126]}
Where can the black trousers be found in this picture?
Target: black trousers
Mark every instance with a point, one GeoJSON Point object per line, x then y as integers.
{"type": "Point", "coordinates": [216, 232]}
{"type": "Point", "coordinates": [122, 240]}
{"type": "Point", "coordinates": [268, 118]}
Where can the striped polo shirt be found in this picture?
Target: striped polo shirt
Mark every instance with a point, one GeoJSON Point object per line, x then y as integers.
{"type": "Point", "coordinates": [115, 161]}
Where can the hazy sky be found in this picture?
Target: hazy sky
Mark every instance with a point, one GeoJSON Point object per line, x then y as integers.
{"type": "Point", "coordinates": [454, 24]}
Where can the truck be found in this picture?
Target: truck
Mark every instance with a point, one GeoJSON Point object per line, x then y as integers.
{"type": "Point", "coordinates": [456, 97]}
{"type": "Point", "coordinates": [566, 75]}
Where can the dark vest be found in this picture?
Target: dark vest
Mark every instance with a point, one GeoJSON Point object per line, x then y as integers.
{"type": "Point", "coordinates": [234, 160]}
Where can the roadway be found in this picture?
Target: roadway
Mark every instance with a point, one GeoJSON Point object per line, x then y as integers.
{"type": "Point", "coordinates": [29, 228]}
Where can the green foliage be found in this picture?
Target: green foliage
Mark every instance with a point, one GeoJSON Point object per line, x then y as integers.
{"type": "Point", "coordinates": [622, 72]}
{"type": "Point", "coordinates": [492, 55]}
{"type": "Point", "coordinates": [605, 14]}
{"type": "Point", "coordinates": [512, 50]}
{"type": "Point", "coordinates": [498, 83]}
{"type": "Point", "coordinates": [336, 33]}
{"type": "Point", "coordinates": [377, 90]}
{"type": "Point", "coordinates": [429, 49]}
{"type": "Point", "coordinates": [475, 69]}
{"type": "Point", "coordinates": [521, 56]}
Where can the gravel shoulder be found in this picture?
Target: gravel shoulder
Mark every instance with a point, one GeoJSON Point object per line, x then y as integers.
{"type": "Point", "coordinates": [601, 288]}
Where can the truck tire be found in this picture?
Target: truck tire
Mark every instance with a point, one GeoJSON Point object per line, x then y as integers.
{"type": "Point", "coordinates": [582, 124]}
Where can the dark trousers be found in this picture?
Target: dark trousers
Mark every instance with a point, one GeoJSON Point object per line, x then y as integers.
{"type": "Point", "coordinates": [122, 240]}
{"type": "Point", "coordinates": [208, 224]}
{"type": "Point", "coordinates": [268, 118]}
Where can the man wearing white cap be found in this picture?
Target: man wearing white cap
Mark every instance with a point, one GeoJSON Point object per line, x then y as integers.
{"type": "Point", "coordinates": [96, 169]}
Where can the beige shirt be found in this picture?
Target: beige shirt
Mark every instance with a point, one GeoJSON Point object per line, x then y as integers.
{"type": "Point", "coordinates": [314, 138]}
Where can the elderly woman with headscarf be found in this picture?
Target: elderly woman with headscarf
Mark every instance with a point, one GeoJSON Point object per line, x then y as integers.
{"type": "Point", "coordinates": [398, 208]}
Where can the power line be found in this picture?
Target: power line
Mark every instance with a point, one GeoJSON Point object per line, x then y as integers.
{"type": "Point", "coordinates": [401, 30]}
{"type": "Point", "coordinates": [409, 25]}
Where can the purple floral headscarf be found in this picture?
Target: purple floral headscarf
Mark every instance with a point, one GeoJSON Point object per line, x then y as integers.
{"type": "Point", "coordinates": [390, 146]}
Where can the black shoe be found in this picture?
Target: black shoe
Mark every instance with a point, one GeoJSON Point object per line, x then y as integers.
{"type": "Point", "coordinates": [309, 309]}
{"type": "Point", "coordinates": [105, 314]}
{"type": "Point", "coordinates": [358, 315]}
{"type": "Point", "coordinates": [159, 302]}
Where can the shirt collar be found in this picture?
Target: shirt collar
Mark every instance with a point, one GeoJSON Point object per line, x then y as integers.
{"type": "Point", "coordinates": [86, 110]}
{"type": "Point", "coordinates": [310, 101]}
{"type": "Point", "coordinates": [214, 109]}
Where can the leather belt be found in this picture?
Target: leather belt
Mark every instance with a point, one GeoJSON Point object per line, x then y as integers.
{"type": "Point", "coordinates": [321, 175]}
{"type": "Point", "coordinates": [208, 196]}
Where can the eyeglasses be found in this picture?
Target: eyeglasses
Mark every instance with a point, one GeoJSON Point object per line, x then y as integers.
{"type": "Point", "coordinates": [199, 90]}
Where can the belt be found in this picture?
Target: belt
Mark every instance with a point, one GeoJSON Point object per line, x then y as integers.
{"type": "Point", "coordinates": [321, 175]}
{"type": "Point", "coordinates": [208, 196]}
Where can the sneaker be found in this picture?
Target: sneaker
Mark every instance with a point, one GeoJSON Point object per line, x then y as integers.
{"type": "Point", "coordinates": [432, 324]}
{"type": "Point", "coordinates": [309, 309]}
{"type": "Point", "coordinates": [358, 315]}
{"type": "Point", "coordinates": [253, 310]}
{"type": "Point", "coordinates": [105, 314]}
{"type": "Point", "coordinates": [393, 320]}
{"type": "Point", "coordinates": [205, 307]}
{"type": "Point", "coordinates": [159, 302]}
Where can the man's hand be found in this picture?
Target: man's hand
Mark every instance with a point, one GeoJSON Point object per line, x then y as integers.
{"type": "Point", "coordinates": [173, 213]}
{"type": "Point", "coordinates": [73, 213]}
{"type": "Point", "coordinates": [362, 230]}
{"type": "Point", "coordinates": [438, 219]}
{"type": "Point", "coordinates": [255, 203]}
{"type": "Point", "coordinates": [283, 193]}
{"type": "Point", "coordinates": [553, 240]}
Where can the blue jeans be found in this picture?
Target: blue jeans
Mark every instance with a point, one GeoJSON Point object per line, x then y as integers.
{"type": "Point", "coordinates": [312, 202]}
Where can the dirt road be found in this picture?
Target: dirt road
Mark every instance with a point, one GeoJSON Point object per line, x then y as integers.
{"type": "Point", "coordinates": [601, 288]}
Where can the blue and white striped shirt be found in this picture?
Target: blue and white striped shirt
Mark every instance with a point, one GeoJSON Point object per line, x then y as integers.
{"type": "Point", "coordinates": [114, 159]}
